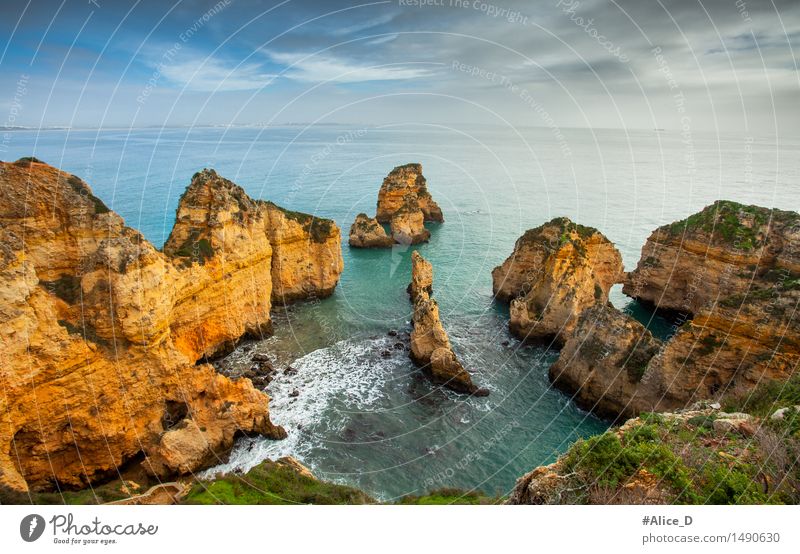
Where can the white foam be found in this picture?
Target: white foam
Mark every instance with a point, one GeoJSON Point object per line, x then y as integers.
{"type": "Point", "coordinates": [350, 371]}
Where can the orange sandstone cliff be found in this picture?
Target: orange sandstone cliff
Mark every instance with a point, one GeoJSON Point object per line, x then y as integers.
{"type": "Point", "coordinates": [103, 335]}
{"type": "Point", "coordinates": [556, 271]}
{"type": "Point", "coordinates": [732, 272]}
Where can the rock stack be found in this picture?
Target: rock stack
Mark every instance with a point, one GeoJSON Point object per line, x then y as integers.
{"type": "Point", "coordinates": [430, 345]}
{"type": "Point", "coordinates": [728, 275]}
{"type": "Point", "coordinates": [405, 204]}
{"type": "Point", "coordinates": [556, 271]}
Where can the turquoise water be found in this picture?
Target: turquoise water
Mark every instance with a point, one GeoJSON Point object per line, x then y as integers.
{"type": "Point", "coordinates": [364, 415]}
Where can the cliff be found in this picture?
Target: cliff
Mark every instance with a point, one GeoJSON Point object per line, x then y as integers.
{"type": "Point", "coordinates": [306, 255]}
{"type": "Point", "coordinates": [718, 252]}
{"type": "Point", "coordinates": [430, 345]}
{"type": "Point", "coordinates": [405, 203]}
{"type": "Point", "coordinates": [101, 332]}
{"type": "Point", "coordinates": [555, 272]}
{"type": "Point", "coordinates": [731, 270]}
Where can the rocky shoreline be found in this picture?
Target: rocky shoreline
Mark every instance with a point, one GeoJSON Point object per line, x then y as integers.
{"type": "Point", "coordinates": [115, 336]}
{"type": "Point", "coordinates": [114, 333]}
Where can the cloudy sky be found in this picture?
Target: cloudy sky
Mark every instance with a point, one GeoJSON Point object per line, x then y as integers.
{"type": "Point", "coordinates": [710, 64]}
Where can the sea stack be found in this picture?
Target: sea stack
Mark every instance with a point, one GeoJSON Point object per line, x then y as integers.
{"type": "Point", "coordinates": [92, 312]}
{"type": "Point", "coordinates": [366, 232]}
{"type": "Point", "coordinates": [405, 204]}
{"type": "Point", "coordinates": [430, 345]}
{"type": "Point", "coordinates": [556, 271]}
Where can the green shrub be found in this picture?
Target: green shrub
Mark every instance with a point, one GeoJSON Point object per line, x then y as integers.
{"type": "Point", "coordinates": [273, 483]}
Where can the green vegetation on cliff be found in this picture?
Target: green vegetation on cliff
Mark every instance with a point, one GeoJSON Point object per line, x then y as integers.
{"type": "Point", "coordinates": [273, 483]}
{"type": "Point", "coordinates": [732, 223]}
{"type": "Point", "coordinates": [706, 457]}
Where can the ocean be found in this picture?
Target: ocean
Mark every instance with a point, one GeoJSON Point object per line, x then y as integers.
{"type": "Point", "coordinates": [365, 415]}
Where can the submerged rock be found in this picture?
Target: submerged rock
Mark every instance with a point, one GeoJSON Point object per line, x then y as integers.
{"type": "Point", "coordinates": [556, 271]}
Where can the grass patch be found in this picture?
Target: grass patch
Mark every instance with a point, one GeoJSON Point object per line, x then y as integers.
{"type": "Point", "coordinates": [733, 223]}
{"type": "Point", "coordinates": [273, 483]}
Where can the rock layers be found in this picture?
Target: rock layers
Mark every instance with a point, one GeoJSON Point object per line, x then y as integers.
{"type": "Point", "coordinates": [603, 362]}
{"type": "Point", "coordinates": [405, 204]}
{"type": "Point", "coordinates": [102, 333]}
{"type": "Point", "coordinates": [730, 271]}
{"type": "Point", "coordinates": [556, 271]}
{"type": "Point", "coordinates": [430, 345]}
{"type": "Point", "coordinates": [721, 251]}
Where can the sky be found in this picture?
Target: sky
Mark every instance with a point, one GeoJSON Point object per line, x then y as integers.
{"type": "Point", "coordinates": [716, 65]}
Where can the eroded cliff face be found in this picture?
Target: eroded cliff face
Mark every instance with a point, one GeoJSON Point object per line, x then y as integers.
{"type": "Point", "coordinates": [401, 181]}
{"type": "Point", "coordinates": [718, 252]}
{"type": "Point", "coordinates": [556, 271]}
{"type": "Point", "coordinates": [430, 345]}
{"type": "Point", "coordinates": [405, 203]}
{"type": "Point", "coordinates": [306, 255]}
{"type": "Point", "coordinates": [101, 332]}
{"type": "Point", "coordinates": [603, 362]}
{"type": "Point", "coordinates": [220, 243]}
{"type": "Point", "coordinates": [732, 272]}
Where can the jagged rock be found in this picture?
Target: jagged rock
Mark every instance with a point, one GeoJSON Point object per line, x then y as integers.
{"type": "Point", "coordinates": [735, 271]}
{"type": "Point", "coordinates": [427, 334]}
{"type": "Point", "coordinates": [402, 181]}
{"type": "Point", "coordinates": [296, 466]}
{"type": "Point", "coordinates": [556, 271]}
{"type": "Point", "coordinates": [107, 326]}
{"type": "Point", "coordinates": [430, 345]}
{"type": "Point", "coordinates": [604, 361]}
{"type": "Point", "coordinates": [446, 370]}
{"type": "Point", "coordinates": [405, 203]}
{"type": "Point", "coordinates": [421, 277]}
{"type": "Point", "coordinates": [408, 224]}
{"type": "Point", "coordinates": [366, 232]}
{"type": "Point", "coordinates": [721, 251]}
